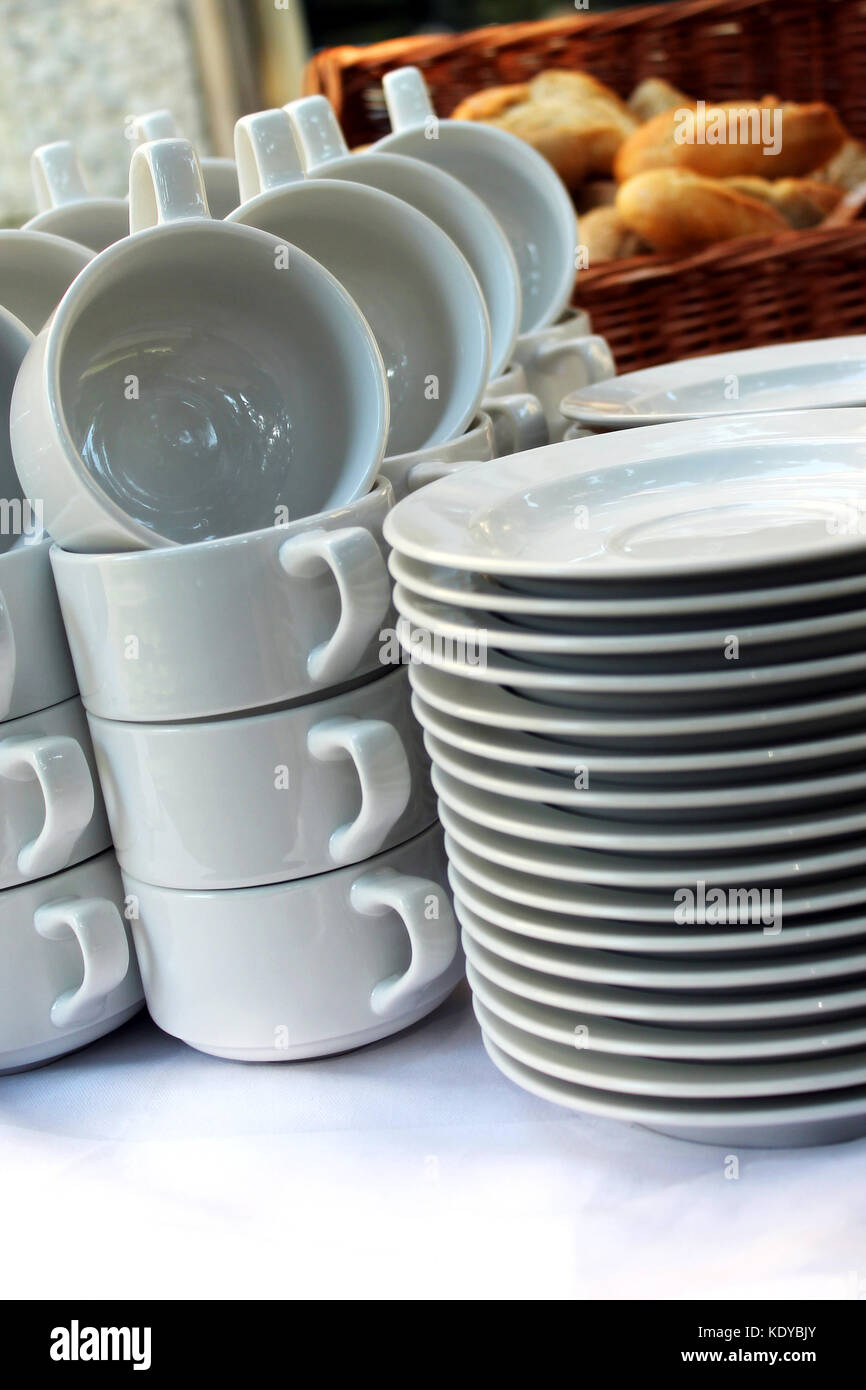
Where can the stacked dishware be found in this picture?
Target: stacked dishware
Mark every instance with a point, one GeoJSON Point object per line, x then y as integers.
{"type": "Point", "coordinates": [68, 975]}
{"type": "Point", "coordinates": [202, 421]}
{"type": "Point", "coordinates": [638, 662]}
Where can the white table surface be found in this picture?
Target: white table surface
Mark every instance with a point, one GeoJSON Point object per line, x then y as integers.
{"type": "Point", "coordinates": [139, 1168]}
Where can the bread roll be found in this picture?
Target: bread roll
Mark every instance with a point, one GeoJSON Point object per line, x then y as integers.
{"type": "Point", "coordinates": [606, 237]}
{"type": "Point", "coordinates": [802, 202]}
{"type": "Point", "coordinates": [729, 138]}
{"type": "Point", "coordinates": [654, 95]}
{"type": "Point", "coordinates": [576, 122]}
{"type": "Point", "coordinates": [678, 211]}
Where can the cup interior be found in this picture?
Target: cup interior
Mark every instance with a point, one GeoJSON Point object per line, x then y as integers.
{"type": "Point", "coordinates": [15, 514]}
{"type": "Point", "coordinates": [213, 382]}
{"type": "Point", "coordinates": [415, 290]}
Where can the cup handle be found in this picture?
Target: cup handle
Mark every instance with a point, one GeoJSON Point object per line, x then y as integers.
{"type": "Point", "coordinates": [165, 184]}
{"type": "Point", "coordinates": [57, 176]}
{"type": "Point", "coordinates": [266, 153]}
{"type": "Point", "coordinates": [99, 929]}
{"type": "Point", "coordinates": [317, 130]}
{"type": "Point", "coordinates": [522, 420]}
{"type": "Point", "coordinates": [359, 571]}
{"type": "Point", "coordinates": [58, 764]}
{"type": "Point", "coordinates": [377, 751]}
{"type": "Point", "coordinates": [8, 661]}
{"type": "Point", "coordinates": [593, 351]}
{"type": "Point", "coordinates": [156, 125]}
{"type": "Point", "coordinates": [429, 921]}
{"type": "Point", "coordinates": [431, 470]}
{"type": "Point", "coordinates": [407, 98]}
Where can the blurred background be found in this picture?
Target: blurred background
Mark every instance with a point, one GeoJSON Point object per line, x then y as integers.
{"type": "Point", "coordinates": [80, 69]}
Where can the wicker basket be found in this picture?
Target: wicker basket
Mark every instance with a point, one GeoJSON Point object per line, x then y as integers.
{"type": "Point", "coordinates": [657, 308]}
{"type": "Point", "coordinates": [738, 294]}
{"type": "Point", "coordinates": [719, 49]}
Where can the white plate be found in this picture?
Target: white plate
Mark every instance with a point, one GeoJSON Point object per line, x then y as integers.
{"type": "Point", "coordinates": [620, 1039]}
{"type": "Point", "coordinates": [667, 1010]}
{"type": "Point", "coordinates": [622, 905]}
{"type": "Point", "coordinates": [678, 1080]}
{"type": "Point", "coordinates": [627, 689]}
{"type": "Point", "coordinates": [670, 501]}
{"type": "Point", "coordinates": [621, 971]}
{"type": "Point", "coordinates": [456, 624]}
{"type": "Point", "coordinates": [831, 1119]}
{"type": "Point", "coordinates": [550, 825]}
{"type": "Point", "coordinates": [713, 803]}
{"type": "Point", "coordinates": [475, 591]}
{"type": "Point", "coordinates": [784, 376]}
{"type": "Point", "coordinates": [466, 873]}
{"type": "Point", "coordinates": [572, 866]}
{"type": "Point", "coordinates": [492, 707]}
{"type": "Point", "coordinates": [511, 746]}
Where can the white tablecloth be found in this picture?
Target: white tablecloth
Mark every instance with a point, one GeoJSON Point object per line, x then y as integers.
{"type": "Point", "coordinates": [139, 1168]}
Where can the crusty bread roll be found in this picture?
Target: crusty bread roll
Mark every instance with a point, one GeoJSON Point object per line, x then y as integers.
{"type": "Point", "coordinates": [654, 95]}
{"type": "Point", "coordinates": [606, 237]}
{"type": "Point", "coordinates": [847, 168]}
{"type": "Point", "coordinates": [807, 136]}
{"type": "Point", "coordinates": [576, 122]}
{"type": "Point", "coordinates": [678, 211]}
{"type": "Point", "coordinates": [802, 202]}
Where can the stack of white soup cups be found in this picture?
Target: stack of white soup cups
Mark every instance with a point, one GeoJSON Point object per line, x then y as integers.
{"type": "Point", "coordinates": [67, 971]}
{"type": "Point", "coordinates": [203, 420]}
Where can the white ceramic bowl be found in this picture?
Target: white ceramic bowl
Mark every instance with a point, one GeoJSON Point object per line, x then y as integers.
{"type": "Point", "coordinates": [234, 624]}
{"type": "Point", "coordinates": [229, 803]}
{"type": "Point", "coordinates": [300, 969]}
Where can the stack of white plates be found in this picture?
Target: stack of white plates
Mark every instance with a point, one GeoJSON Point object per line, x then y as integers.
{"type": "Point", "coordinates": [640, 666]}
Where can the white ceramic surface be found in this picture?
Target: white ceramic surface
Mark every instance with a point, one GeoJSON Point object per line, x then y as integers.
{"type": "Point", "coordinates": [486, 790]}
{"type": "Point", "coordinates": [717, 766]}
{"type": "Point", "coordinates": [229, 803]}
{"type": "Point", "coordinates": [233, 624]}
{"type": "Point", "coordinates": [766, 974]}
{"type": "Point", "coordinates": [784, 376]}
{"type": "Point", "coordinates": [69, 975]}
{"type": "Point", "coordinates": [627, 505]}
{"type": "Point", "coordinates": [520, 188]}
{"type": "Point", "coordinates": [498, 708]}
{"type": "Point", "coordinates": [51, 811]}
{"type": "Point", "coordinates": [220, 174]}
{"type": "Point", "coordinates": [796, 637]}
{"type": "Point", "coordinates": [409, 472]}
{"type": "Point", "coordinates": [16, 516]}
{"type": "Point", "coordinates": [35, 665]}
{"type": "Point", "coordinates": [408, 278]}
{"type": "Point", "coordinates": [517, 415]}
{"type": "Point", "coordinates": [809, 901]}
{"type": "Point", "coordinates": [66, 207]}
{"type": "Point", "coordinates": [611, 1036]}
{"type": "Point", "coordinates": [445, 200]}
{"type": "Point", "coordinates": [477, 820]}
{"type": "Point", "coordinates": [588, 933]}
{"type": "Point", "coordinates": [782, 1009]}
{"type": "Point", "coordinates": [36, 270]}
{"type": "Point", "coordinates": [675, 1079]}
{"type": "Point", "coordinates": [798, 1122]}
{"type": "Point", "coordinates": [163, 406]}
{"type": "Point", "coordinates": [305, 968]}
{"type": "Point", "coordinates": [719, 604]}
{"type": "Point", "coordinates": [561, 358]}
